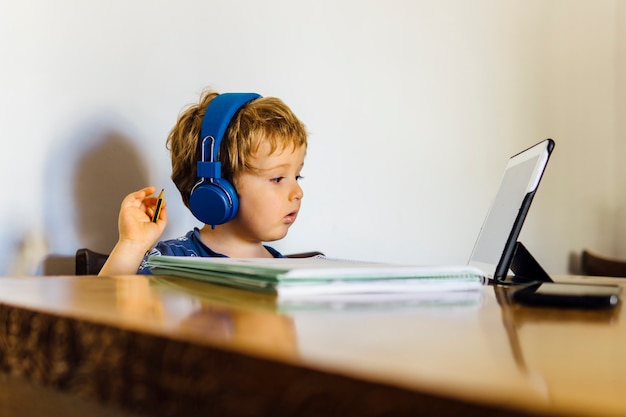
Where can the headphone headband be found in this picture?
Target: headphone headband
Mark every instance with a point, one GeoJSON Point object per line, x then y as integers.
{"type": "Point", "coordinates": [216, 120]}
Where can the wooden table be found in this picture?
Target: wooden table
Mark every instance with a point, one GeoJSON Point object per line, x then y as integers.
{"type": "Point", "coordinates": [160, 346]}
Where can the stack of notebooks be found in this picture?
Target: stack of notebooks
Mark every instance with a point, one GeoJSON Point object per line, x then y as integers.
{"type": "Point", "coordinates": [321, 278]}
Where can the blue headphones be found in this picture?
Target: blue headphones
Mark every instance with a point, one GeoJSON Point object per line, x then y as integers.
{"type": "Point", "coordinates": [213, 199]}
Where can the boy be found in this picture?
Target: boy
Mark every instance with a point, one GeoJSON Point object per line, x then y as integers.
{"type": "Point", "coordinates": [260, 154]}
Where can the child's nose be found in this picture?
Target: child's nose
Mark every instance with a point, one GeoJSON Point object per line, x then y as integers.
{"type": "Point", "coordinates": [297, 192]}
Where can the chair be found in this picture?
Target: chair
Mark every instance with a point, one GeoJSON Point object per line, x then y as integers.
{"type": "Point", "coordinates": [89, 262]}
{"type": "Point", "coordinates": [598, 265]}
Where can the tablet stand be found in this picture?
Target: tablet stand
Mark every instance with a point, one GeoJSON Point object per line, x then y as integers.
{"type": "Point", "coordinates": [525, 267]}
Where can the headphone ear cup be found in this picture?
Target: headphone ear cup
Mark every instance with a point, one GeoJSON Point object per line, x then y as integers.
{"type": "Point", "coordinates": [214, 202]}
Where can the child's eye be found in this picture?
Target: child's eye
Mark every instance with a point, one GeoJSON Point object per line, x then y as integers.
{"type": "Point", "coordinates": [278, 180]}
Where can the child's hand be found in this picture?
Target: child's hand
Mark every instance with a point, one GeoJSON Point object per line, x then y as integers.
{"type": "Point", "coordinates": [138, 233]}
{"type": "Point", "coordinates": [135, 219]}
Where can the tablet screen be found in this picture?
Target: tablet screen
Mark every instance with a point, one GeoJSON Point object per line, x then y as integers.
{"type": "Point", "coordinates": [494, 246]}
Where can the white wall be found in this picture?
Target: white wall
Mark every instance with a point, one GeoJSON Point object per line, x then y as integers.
{"type": "Point", "coordinates": [413, 108]}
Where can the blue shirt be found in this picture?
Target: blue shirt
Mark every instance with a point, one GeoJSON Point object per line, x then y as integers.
{"type": "Point", "coordinates": [188, 245]}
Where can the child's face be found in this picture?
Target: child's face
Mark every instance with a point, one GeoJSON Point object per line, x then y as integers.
{"type": "Point", "coordinates": [269, 199]}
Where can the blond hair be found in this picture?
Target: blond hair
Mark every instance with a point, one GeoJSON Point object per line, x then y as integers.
{"type": "Point", "coordinates": [263, 120]}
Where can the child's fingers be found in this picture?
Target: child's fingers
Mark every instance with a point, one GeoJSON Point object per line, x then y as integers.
{"type": "Point", "coordinates": [138, 197]}
{"type": "Point", "coordinates": [147, 191]}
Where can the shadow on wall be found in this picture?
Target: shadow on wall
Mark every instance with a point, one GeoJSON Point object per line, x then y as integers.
{"type": "Point", "coordinates": [104, 176]}
{"type": "Point", "coordinates": [90, 173]}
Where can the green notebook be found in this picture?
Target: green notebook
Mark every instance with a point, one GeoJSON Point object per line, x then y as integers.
{"type": "Point", "coordinates": [306, 277]}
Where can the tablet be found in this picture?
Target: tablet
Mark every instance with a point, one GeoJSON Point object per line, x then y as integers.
{"type": "Point", "coordinates": [494, 248]}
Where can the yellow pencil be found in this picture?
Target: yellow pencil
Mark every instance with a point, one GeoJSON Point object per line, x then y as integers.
{"type": "Point", "coordinates": [157, 210]}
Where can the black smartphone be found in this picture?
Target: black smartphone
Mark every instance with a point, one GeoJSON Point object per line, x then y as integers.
{"type": "Point", "coordinates": [553, 294]}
